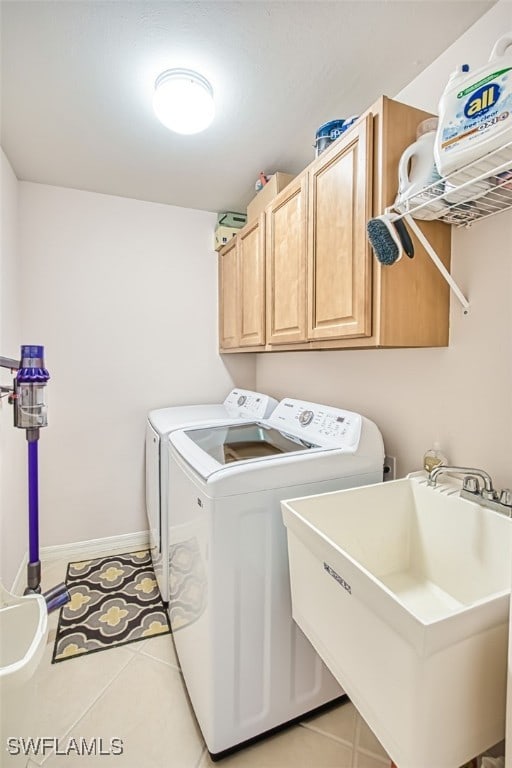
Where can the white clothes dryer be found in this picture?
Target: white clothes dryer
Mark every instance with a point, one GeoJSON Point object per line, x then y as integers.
{"type": "Point", "coordinates": [247, 666]}
{"type": "Point", "coordinates": [239, 404]}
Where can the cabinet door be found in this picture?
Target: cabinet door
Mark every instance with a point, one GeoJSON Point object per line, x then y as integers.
{"type": "Point", "coordinates": [286, 264]}
{"type": "Point", "coordinates": [251, 255]}
{"type": "Point", "coordinates": [339, 261]}
{"type": "Point", "coordinates": [228, 296]}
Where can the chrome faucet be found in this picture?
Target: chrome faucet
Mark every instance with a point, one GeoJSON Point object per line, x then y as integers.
{"type": "Point", "coordinates": [488, 490]}
{"type": "Point", "coordinates": [477, 486]}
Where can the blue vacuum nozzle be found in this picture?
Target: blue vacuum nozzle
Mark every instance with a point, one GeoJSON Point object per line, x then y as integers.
{"type": "Point", "coordinates": [56, 597]}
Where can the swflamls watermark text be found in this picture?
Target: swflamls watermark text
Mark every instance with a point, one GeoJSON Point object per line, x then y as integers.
{"type": "Point", "coordinates": [81, 746]}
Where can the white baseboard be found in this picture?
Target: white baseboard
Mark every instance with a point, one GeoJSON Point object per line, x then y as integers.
{"type": "Point", "coordinates": [127, 542]}
{"type": "Point", "coordinates": [111, 545]}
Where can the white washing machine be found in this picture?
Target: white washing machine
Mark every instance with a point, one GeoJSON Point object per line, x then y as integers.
{"type": "Point", "coordinates": [247, 666]}
{"type": "Point", "coordinates": [240, 403]}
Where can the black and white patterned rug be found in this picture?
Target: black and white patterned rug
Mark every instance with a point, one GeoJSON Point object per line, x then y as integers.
{"type": "Point", "coordinates": [114, 601]}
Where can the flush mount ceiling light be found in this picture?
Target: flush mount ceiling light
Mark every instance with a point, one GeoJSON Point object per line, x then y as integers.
{"type": "Point", "coordinates": [183, 101]}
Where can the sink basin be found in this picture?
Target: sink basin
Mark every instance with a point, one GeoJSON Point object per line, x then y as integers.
{"type": "Point", "coordinates": [404, 592]}
{"type": "Point", "coordinates": [23, 634]}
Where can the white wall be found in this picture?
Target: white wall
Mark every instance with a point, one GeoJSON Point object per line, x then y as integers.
{"type": "Point", "coordinates": [13, 509]}
{"type": "Point", "coordinates": [123, 295]}
{"type": "Point", "coordinates": [460, 395]}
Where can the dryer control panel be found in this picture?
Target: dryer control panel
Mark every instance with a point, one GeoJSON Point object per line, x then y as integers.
{"type": "Point", "coordinates": [318, 424]}
{"type": "Point", "coordinates": [253, 405]}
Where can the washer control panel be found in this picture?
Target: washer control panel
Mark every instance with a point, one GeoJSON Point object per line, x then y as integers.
{"type": "Point", "coordinates": [318, 424]}
{"type": "Point", "coordinates": [254, 405]}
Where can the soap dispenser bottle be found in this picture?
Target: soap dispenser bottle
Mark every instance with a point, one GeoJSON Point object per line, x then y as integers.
{"type": "Point", "coordinates": [434, 457]}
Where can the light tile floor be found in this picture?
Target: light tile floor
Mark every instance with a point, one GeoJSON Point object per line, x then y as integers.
{"type": "Point", "coordinates": [136, 693]}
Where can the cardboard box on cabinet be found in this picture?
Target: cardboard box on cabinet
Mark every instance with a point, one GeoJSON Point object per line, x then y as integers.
{"type": "Point", "coordinates": [274, 185]}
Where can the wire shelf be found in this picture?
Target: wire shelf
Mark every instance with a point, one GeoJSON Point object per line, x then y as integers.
{"type": "Point", "coordinates": [480, 189]}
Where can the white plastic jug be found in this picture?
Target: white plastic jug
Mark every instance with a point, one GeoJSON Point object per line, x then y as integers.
{"type": "Point", "coordinates": [475, 116]}
{"type": "Point", "coordinates": [416, 171]}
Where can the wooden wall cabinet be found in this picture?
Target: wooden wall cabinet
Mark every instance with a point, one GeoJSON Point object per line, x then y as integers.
{"type": "Point", "coordinates": [242, 289]}
{"type": "Point", "coordinates": [318, 261]}
{"type": "Point", "coordinates": [286, 259]}
{"type": "Point", "coordinates": [229, 332]}
{"type": "Point", "coordinates": [324, 287]}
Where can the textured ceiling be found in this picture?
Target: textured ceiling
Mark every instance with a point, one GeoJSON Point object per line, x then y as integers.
{"type": "Point", "coordinates": [77, 83]}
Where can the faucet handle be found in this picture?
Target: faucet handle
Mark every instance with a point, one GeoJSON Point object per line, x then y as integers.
{"type": "Point", "coordinates": [506, 497]}
{"type": "Point", "coordinates": [471, 484]}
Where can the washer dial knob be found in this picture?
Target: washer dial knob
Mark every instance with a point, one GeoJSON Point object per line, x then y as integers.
{"type": "Point", "coordinates": [306, 417]}
{"type": "Point", "coordinates": [241, 400]}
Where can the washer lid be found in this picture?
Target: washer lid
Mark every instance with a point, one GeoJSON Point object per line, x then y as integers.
{"type": "Point", "coordinates": [210, 448]}
{"type": "Point", "coordinates": [295, 431]}
{"type": "Point", "coordinates": [239, 442]}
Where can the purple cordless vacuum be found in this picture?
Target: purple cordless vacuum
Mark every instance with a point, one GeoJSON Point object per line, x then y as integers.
{"type": "Point", "coordinates": [30, 414]}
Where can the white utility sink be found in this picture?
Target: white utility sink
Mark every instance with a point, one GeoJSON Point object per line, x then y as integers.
{"type": "Point", "coordinates": [404, 592]}
{"type": "Point", "coordinates": [23, 634]}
